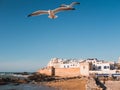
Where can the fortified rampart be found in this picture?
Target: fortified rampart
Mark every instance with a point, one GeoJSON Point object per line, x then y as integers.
{"type": "Point", "coordinates": [63, 72]}
{"type": "Point", "coordinates": [47, 71]}
{"type": "Point", "coordinates": [67, 72]}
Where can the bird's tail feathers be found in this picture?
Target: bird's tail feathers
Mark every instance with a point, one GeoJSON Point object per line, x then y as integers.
{"type": "Point", "coordinates": [53, 17]}
{"type": "Point", "coordinates": [56, 16]}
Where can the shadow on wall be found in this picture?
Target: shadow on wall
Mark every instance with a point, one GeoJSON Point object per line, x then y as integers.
{"type": "Point", "coordinates": [100, 84]}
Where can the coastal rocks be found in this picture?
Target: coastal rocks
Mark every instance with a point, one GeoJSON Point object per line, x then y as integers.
{"type": "Point", "coordinates": [19, 82]}
{"type": "Point", "coordinates": [40, 77]}
{"type": "Point", "coordinates": [4, 81]}
{"type": "Point", "coordinates": [31, 79]}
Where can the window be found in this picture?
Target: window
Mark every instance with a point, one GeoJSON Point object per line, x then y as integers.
{"type": "Point", "coordinates": [106, 67]}
{"type": "Point", "coordinates": [99, 67]}
{"type": "Point", "coordinates": [68, 66]}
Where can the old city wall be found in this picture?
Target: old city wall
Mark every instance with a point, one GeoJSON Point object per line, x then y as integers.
{"type": "Point", "coordinates": [67, 72]}
{"type": "Point", "coordinates": [63, 72]}
{"type": "Point", "coordinates": [47, 71]}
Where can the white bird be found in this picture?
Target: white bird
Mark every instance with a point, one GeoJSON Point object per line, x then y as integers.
{"type": "Point", "coordinates": [71, 5]}
{"type": "Point", "coordinates": [51, 13]}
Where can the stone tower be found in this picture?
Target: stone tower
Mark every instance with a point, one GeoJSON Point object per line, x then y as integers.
{"type": "Point", "coordinates": [84, 69]}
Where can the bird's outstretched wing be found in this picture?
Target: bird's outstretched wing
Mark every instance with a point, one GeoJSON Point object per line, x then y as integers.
{"type": "Point", "coordinates": [39, 12]}
{"type": "Point", "coordinates": [62, 9]}
{"type": "Point", "coordinates": [74, 3]}
{"type": "Point", "coordinates": [71, 5]}
{"type": "Point", "coordinates": [63, 5]}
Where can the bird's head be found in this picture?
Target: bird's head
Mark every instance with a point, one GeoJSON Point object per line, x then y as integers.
{"type": "Point", "coordinates": [49, 11]}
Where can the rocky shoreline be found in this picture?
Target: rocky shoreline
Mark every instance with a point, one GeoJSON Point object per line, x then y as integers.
{"type": "Point", "coordinates": [64, 83]}
{"type": "Point", "coordinates": [21, 83]}
{"type": "Point", "coordinates": [61, 83]}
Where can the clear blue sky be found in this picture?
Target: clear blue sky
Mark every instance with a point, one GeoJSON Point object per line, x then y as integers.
{"type": "Point", "coordinates": [27, 44]}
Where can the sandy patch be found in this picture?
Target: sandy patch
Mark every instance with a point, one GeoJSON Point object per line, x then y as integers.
{"type": "Point", "coordinates": [71, 84]}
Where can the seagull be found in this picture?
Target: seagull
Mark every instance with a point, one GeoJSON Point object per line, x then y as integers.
{"type": "Point", "coordinates": [71, 5]}
{"type": "Point", "coordinates": [51, 13]}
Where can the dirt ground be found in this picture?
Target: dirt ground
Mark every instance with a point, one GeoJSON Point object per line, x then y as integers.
{"type": "Point", "coordinates": [71, 84]}
{"type": "Point", "coordinates": [112, 85]}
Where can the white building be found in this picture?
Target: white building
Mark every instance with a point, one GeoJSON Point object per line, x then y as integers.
{"type": "Point", "coordinates": [102, 66]}
{"type": "Point", "coordinates": [70, 64]}
{"type": "Point", "coordinates": [55, 62]}
{"type": "Point", "coordinates": [63, 63]}
{"type": "Point", "coordinates": [119, 60]}
{"type": "Point", "coordinates": [94, 64]}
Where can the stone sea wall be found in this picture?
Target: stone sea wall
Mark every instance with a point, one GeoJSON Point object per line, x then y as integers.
{"type": "Point", "coordinates": [63, 72]}
{"type": "Point", "coordinates": [67, 72]}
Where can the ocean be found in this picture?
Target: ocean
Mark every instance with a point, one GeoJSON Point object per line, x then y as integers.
{"type": "Point", "coordinates": [24, 87]}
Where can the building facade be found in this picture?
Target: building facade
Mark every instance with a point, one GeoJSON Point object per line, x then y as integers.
{"type": "Point", "coordinates": [74, 67]}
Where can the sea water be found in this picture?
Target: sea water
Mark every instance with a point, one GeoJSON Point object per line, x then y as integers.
{"type": "Point", "coordinates": [24, 87]}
